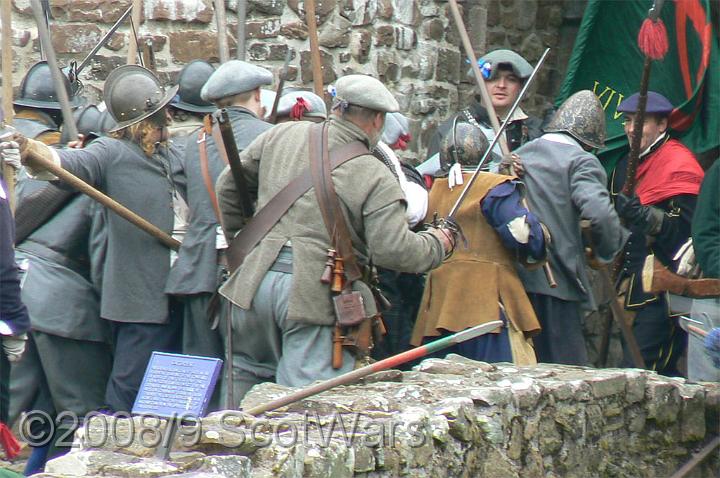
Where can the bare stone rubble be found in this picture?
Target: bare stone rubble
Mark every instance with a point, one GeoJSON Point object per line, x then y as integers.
{"type": "Point", "coordinates": [447, 418]}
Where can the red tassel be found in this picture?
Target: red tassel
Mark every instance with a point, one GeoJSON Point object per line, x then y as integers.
{"type": "Point", "coordinates": [299, 109]}
{"type": "Point", "coordinates": [653, 40]}
{"type": "Point", "coordinates": [402, 142]}
{"type": "Point", "coordinates": [9, 442]}
{"type": "Point", "coordinates": [429, 180]}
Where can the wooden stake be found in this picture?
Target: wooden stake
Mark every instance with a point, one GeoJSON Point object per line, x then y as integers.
{"type": "Point", "coordinates": [7, 88]}
{"type": "Point", "coordinates": [314, 48]}
{"type": "Point", "coordinates": [135, 19]}
{"type": "Point", "coordinates": [223, 49]}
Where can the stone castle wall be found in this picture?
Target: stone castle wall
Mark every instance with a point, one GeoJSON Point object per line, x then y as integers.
{"type": "Point", "coordinates": [409, 44]}
{"type": "Point", "coordinates": [447, 418]}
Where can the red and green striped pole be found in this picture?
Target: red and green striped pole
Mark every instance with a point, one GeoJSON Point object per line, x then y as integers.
{"type": "Point", "coordinates": [388, 363]}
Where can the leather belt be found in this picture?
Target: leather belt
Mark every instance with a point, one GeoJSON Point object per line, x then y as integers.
{"type": "Point", "coordinates": [44, 252]}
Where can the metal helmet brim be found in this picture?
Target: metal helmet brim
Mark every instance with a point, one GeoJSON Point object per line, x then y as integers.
{"type": "Point", "coordinates": [118, 103]}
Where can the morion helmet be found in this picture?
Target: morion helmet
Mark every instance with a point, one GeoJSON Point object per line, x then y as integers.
{"type": "Point", "coordinates": [582, 117]}
{"type": "Point", "coordinates": [190, 82]}
{"type": "Point", "coordinates": [464, 144]}
{"type": "Point", "coordinates": [133, 93]}
{"type": "Point", "coordinates": [37, 89]}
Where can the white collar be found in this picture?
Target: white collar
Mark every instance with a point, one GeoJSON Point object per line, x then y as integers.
{"type": "Point", "coordinates": [561, 138]}
{"type": "Point", "coordinates": [657, 140]}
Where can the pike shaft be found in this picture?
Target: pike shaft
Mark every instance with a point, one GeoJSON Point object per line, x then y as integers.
{"type": "Point", "coordinates": [388, 363]}
{"type": "Point", "coordinates": [57, 75]}
{"type": "Point", "coordinates": [108, 202]}
{"type": "Point", "coordinates": [103, 40]}
{"type": "Point", "coordinates": [498, 135]}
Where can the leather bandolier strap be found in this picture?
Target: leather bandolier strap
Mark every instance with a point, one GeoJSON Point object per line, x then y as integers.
{"type": "Point", "coordinates": [330, 203]}
{"type": "Point", "coordinates": [266, 218]}
{"type": "Point", "coordinates": [38, 208]}
{"type": "Point", "coordinates": [205, 169]}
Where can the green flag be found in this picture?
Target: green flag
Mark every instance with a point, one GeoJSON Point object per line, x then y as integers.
{"type": "Point", "coordinates": [607, 60]}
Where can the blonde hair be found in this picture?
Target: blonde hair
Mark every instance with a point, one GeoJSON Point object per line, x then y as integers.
{"type": "Point", "coordinates": [140, 134]}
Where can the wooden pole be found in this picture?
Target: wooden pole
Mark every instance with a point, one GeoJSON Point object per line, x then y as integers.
{"type": "Point", "coordinates": [137, 6]}
{"type": "Point", "coordinates": [487, 102]}
{"type": "Point", "coordinates": [7, 88]}
{"type": "Point", "coordinates": [106, 201]}
{"type": "Point", "coordinates": [314, 48]}
{"type": "Point", "coordinates": [241, 18]}
{"type": "Point", "coordinates": [385, 364]}
{"type": "Point", "coordinates": [222, 31]}
{"type": "Point", "coordinates": [57, 75]}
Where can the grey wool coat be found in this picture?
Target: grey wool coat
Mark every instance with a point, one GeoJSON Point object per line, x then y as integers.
{"type": "Point", "coordinates": [370, 197]}
{"type": "Point", "coordinates": [57, 286]}
{"type": "Point", "coordinates": [564, 185]}
{"type": "Point", "coordinates": [195, 270]}
{"type": "Point", "coordinates": [136, 264]}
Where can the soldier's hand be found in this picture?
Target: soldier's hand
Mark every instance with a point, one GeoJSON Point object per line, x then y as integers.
{"type": "Point", "coordinates": [447, 239]}
{"type": "Point", "coordinates": [511, 165]}
{"type": "Point", "coordinates": [10, 153]}
{"type": "Point", "coordinates": [14, 346]}
{"type": "Point", "coordinates": [78, 143]}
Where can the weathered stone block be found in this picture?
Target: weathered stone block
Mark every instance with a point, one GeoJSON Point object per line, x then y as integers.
{"type": "Point", "coordinates": [359, 12]}
{"type": "Point", "coordinates": [433, 29]}
{"type": "Point", "coordinates": [323, 8]}
{"type": "Point", "coordinates": [158, 41]}
{"type": "Point", "coordinates": [360, 45]}
{"type": "Point", "coordinates": [295, 30]}
{"type": "Point", "coordinates": [75, 38]}
{"type": "Point", "coordinates": [406, 38]}
{"type": "Point", "coordinates": [385, 9]}
{"type": "Point", "coordinates": [477, 29]}
{"type": "Point", "coordinates": [195, 11]}
{"type": "Point", "coordinates": [105, 11]}
{"type": "Point", "coordinates": [384, 35]}
{"type": "Point", "coordinates": [526, 16]}
{"type": "Point", "coordinates": [663, 401]}
{"type": "Point", "coordinates": [116, 42]}
{"type": "Point", "coordinates": [328, 67]}
{"type": "Point", "coordinates": [258, 52]}
{"type": "Point", "coordinates": [605, 384]}
{"type": "Point", "coordinates": [191, 44]}
{"type": "Point", "coordinates": [101, 66]}
{"type": "Point", "coordinates": [87, 462]}
{"type": "Point", "coordinates": [268, 7]}
{"type": "Point", "coordinates": [335, 34]}
{"type": "Point", "coordinates": [448, 66]}
{"type": "Point", "coordinates": [278, 52]}
{"type": "Point", "coordinates": [406, 12]}
{"type": "Point", "coordinates": [227, 466]}
{"type": "Point", "coordinates": [269, 28]}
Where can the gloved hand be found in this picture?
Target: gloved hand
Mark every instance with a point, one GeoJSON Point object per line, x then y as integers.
{"type": "Point", "coordinates": [14, 346]}
{"type": "Point", "coordinates": [686, 263]}
{"type": "Point", "coordinates": [511, 165]}
{"type": "Point", "coordinates": [648, 218]}
{"type": "Point", "coordinates": [10, 153]}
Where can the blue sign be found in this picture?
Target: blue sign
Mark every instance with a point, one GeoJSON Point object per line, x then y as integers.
{"type": "Point", "coordinates": [177, 385]}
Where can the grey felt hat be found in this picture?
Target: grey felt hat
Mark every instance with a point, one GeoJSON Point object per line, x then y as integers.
{"type": "Point", "coordinates": [519, 65]}
{"type": "Point", "coordinates": [233, 78]}
{"type": "Point", "coordinates": [396, 125]}
{"type": "Point", "coordinates": [365, 91]}
{"type": "Point", "coordinates": [315, 106]}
